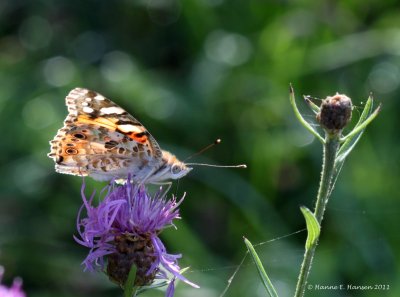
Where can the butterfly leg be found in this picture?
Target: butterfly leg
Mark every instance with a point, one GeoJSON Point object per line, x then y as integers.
{"type": "Point", "coordinates": [168, 184]}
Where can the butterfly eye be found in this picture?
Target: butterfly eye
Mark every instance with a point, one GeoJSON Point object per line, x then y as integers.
{"type": "Point", "coordinates": [175, 169]}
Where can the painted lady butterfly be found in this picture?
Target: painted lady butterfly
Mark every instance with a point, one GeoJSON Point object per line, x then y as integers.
{"type": "Point", "coordinates": [101, 140]}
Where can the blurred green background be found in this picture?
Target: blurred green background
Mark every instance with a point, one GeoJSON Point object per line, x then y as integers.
{"type": "Point", "coordinates": [193, 71]}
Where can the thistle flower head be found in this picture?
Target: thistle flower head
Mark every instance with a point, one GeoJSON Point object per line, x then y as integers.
{"type": "Point", "coordinates": [14, 291]}
{"type": "Point", "coordinates": [122, 230]}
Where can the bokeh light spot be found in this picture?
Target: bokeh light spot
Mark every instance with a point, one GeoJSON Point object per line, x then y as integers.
{"type": "Point", "coordinates": [58, 71]}
{"type": "Point", "coordinates": [28, 176]}
{"type": "Point", "coordinates": [228, 48]}
{"type": "Point", "coordinates": [33, 112]}
{"type": "Point", "coordinates": [160, 103]}
{"type": "Point", "coordinates": [89, 46]}
{"type": "Point", "coordinates": [207, 76]}
{"type": "Point", "coordinates": [384, 78]}
{"type": "Point", "coordinates": [117, 66]}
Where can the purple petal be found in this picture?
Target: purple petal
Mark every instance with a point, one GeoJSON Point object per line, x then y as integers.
{"type": "Point", "coordinates": [171, 289]}
{"type": "Point", "coordinates": [14, 291]}
{"type": "Point", "coordinates": [169, 262]}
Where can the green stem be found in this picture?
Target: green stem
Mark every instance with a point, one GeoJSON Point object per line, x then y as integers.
{"type": "Point", "coordinates": [330, 151]}
{"type": "Point", "coordinates": [331, 146]}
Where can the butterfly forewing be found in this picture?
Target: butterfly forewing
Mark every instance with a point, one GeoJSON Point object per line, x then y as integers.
{"type": "Point", "coordinates": [101, 139]}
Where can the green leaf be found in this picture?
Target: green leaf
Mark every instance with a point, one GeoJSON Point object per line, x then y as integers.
{"type": "Point", "coordinates": [129, 287]}
{"type": "Point", "coordinates": [313, 227]}
{"type": "Point", "coordinates": [261, 271]}
{"type": "Point", "coordinates": [300, 117]}
{"type": "Point", "coordinates": [351, 139]}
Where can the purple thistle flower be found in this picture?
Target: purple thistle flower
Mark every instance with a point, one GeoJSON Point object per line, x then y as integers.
{"type": "Point", "coordinates": [123, 230]}
{"type": "Point", "coordinates": [14, 291]}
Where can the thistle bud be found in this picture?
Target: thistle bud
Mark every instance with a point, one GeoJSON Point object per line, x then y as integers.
{"type": "Point", "coordinates": [335, 113]}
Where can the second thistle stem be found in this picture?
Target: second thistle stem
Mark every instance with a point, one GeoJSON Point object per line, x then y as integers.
{"type": "Point", "coordinates": [331, 146]}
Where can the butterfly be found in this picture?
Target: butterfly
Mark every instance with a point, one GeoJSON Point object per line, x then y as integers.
{"type": "Point", "coordinates": [101, 140]}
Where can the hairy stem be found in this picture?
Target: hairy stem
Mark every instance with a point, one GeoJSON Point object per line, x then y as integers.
{"type": "Point", "coordinates": [331, 147]}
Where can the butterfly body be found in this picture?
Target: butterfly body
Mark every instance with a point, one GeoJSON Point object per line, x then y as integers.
{"type": "Point", "coordinates": [101, 140]}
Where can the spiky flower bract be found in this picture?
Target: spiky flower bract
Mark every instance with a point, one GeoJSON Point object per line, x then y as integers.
{"type": "Point", "coordinates": [122, 230]}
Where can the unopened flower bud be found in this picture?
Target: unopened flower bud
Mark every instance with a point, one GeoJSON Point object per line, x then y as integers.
{"type": "Point", "coordinates": [335, 113]}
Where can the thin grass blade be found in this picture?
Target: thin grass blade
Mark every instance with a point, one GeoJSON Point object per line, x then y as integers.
{"type": "Point", "coordinates": [261, 271]}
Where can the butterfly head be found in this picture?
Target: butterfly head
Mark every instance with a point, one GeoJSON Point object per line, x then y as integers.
{"type": "Point", "coordinates": [172, 168]}
{"type": "Point", "coordinates": [179, 169]}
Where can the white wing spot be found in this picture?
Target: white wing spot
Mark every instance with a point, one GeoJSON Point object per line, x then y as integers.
{"type": "Point", "coordinates": [85, 104]}
{"type": "Point", "coordinates": [73, 95]}
{"type": "Point", "coordinates": [129, 128]}
{"type": "Point", "coordinates": [99, 97]}
{"type": "Point", "coordinates": [88, 99]}
{"type": "Point", "coordinates": [111, 110]}
{"type": "Point", "coordinates": [87, 109]}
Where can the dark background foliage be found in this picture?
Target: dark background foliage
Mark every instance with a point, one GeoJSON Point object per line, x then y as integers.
{"type": "Point", "coordinates": [193, 71]}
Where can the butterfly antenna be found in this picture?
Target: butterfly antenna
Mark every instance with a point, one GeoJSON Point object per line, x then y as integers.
{"type": "Point", "coordinates": [218, 166]}
{"type": "Point", "coordinates": [217, 141]}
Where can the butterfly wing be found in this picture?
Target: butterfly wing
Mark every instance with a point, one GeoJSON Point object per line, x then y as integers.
{"type": "Point", "coordinates": [102, 140]}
